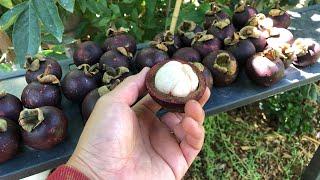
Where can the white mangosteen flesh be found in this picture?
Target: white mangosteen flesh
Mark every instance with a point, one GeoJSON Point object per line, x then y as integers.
{"type": "Point", "coordinates": [176, 79]}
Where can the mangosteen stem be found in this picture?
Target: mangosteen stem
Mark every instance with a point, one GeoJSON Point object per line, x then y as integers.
{"type": "Point", "coordinates": [3, 93]}
{"type": "Point", "coordinates": [222, 63]}
{"type": "Point", "coordinates": [30, 118]}
{"type": "Point", "coordinates": [175, 16]}
{"type": "Point", "coordinates": [3, 125]}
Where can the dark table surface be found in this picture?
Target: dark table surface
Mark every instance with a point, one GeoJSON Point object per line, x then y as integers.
{"type": "Point", "coordinates": [305, 24]}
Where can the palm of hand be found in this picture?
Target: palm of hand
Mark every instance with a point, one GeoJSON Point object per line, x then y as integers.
{"type": "Point", "coordinates": [125, 142]}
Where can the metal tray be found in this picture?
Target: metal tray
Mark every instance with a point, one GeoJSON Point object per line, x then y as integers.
{"type": "Point", "coordinates": [242, 92]}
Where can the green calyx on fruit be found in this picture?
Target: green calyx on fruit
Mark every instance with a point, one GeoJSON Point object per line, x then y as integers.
{"type": "Point", "coordinates": [223, 64]}
{"type": "Point", "coordinates": [186, 28]}
{"type": "Point", "coordinates": [3, 125]}
{"type": "Point", "coordinates": [232, 40]}
{"type": "Point", "coordinates": [114, 74]}
{"type": "Point", "coordinates": [221, 24]}
{"type": "Point", "coordinates": [214, 9]}
{"type": "Point", "coordinates": [276, 12]}
{"type": "Point", "coordinates": [199, 66]}
{"type": "Point", "coordinates": [240, 7]}
{"type": "Point", "coordinates": [89, 70]}
{"type": "Point", "coordinates": [30, 119]}
{"type": "Point", "coordinates": [202, 37]}
{"type": "Point", "coordinates": [249, 32]}
{"type": "Point", "coordinates": [33, 64]}
{"type": "Point", "coordinates": [3, 93]}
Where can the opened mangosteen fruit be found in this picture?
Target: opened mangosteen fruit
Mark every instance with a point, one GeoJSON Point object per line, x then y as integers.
{"type": "Point", "coordinates": [206, 74]}
{"type": "Point", "coordinates": [242, 14]}
{"type": "Point", "coordinates": [43, 127]}
{"type": "Point", "coordinates": [113, 59]}
{"type": "Point", "coordinates": [187, 54]}
{"type": "Point", "coordinates": [173, 83]}
{"type": "Point", "coordinates": [9, 139]}
{"type": "Point", "coordinates": [263, 23]}
{"type": "Point", "coordinates": [222, 28]}
{"type": "Point", "coordinates": [287, 54]}
{"type": "Point", "coordinates": [167, 42]}
{"type": "Point", "coordinates": [279, 36]}
{"type": "Point", "coordinates": [37, 66]}
{"type": "Point", "coordinates": [187, 30]}
{"type": "Point", "coordinates": [205, 43]}
{"type": "Point", "coordinates": [148, 57]}
{"type": "Point", "coordinates": [265, 69]}
{"type": "Point", "coordinates": [10, 106]}
{"type": "Point", "coordinates": [214, 13]}
{"type": "Point", "coordinates": [223, 66]}
{"type": "Point", "coordinates": [79, 82]}
{"type": "Point", "coordinates": [241, 49]}
{"type": "Point", "coordinates": [280, 17]}
{"type": "Point", "coordinates": [91, 99]}
{"type": "Point", "coordinates": [45, 92]}
{"type": "Point", "coordinates": [307, 51]}
{"type": "Point", "coordinates": [255, 36]}
{"type": "Point", "coordinates": [88, 52]}
{"type": "Point", "coordinates": [119, 38]}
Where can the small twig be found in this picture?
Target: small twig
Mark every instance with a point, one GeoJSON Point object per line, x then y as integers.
{"type": "Point", "coordinates": [167, 15]}
{"type": "Point", "coordinates": [175, 16]}
{"type": "Point", "coordinates": [311, 139]}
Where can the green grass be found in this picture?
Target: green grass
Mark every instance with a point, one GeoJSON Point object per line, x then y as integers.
{"type": "Point", "coordinates": [240, 149]}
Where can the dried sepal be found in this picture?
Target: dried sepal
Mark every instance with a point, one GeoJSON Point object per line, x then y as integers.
{"type": "Point", "coordinates": [3, 125]}
{"type": "Point", "coordinates": [221, 24]}
{"type": "Point", "coordinates": [223, 63]}
{"type": "Point", "coordinates": [48, 79]}
{"type": "Point", "coordinates": [276, 12]}
{"type": "Point", "coordinates": [113, 31]}
{"type": "Point", "coordinates": [199, 66]}
{"type": "Point", "coordinates": [202, 37]}
{"type": "Point", "coordinates": [124, 52]}
{"type": "Point", "coordinates": [249, 32]}
{"type": "Point", "coordinates": [30, 119]}
{"type": "Point", "coordinates": [301, 47]}
{"type": "Point", "coordinates": [271, 54]}
{"type": "Point", "coordinates": [33, 64]}
{"type": "Point", "coordinates": [89, 70]}
{"type": "Point", "coordinates": [214, 9]}
{"type": "Point", "coordinates": [232, 40]}
{"type": "Point", "coordinates": [113, 74]}
{"type": "Point", "coordinates": [239, 8]}
{"type": "Point", "coordinates": [103, 90]}
{"type": "Point", "coordinates": [186, 27]}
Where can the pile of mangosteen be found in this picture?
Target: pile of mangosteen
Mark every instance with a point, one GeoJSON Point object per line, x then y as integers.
{"type": "Point", "coordinates": [183, 64]}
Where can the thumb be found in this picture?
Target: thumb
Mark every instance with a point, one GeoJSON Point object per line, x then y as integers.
{"type": "Point", "coordinates": [129, 90]}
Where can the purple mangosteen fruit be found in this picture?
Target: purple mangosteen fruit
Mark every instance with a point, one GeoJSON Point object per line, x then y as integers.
{"type": "Point", "coordinates": [280, 17]}
{"type": "Point", "coordinates": [45, 92]}
{"type": "Point", "coordinates": [242, 14]}
{"type": "Point", "coordinates": [206, 74]}
{"type": "Point", "coordinates": [187, 54]}
{"type": "Point", "coordinates": [307, 51]}
{"type": "Point", "coordinates": [263, 23]}
{"type": "Point", "coordinates": [265, 69]}
{"type": "Point", "coordinates": [242, 49]}
{"type": "Point", "coordinates": [119, 38]}
{"type": "Point", "coordinates": [88, 52]}
{"type": "Point", "coordinates": [223, 66]}
{"type": "Point", "coordinates": [148, 57]}
{"type": "Point", "coordinates": [222, 28]}
{"type": "Point", "coordinates": [255, 36]}
{"type": "Point", "coordinates": [113, 59]}
{"type": "Point", "coordinates": [43, 127]}
{"type": "Point", "coordinates": [79, 82]}
{"type": "Point", "coordinates": [187, 30]}
{"type": "Point", "coordinates": [9, 139]}
{"type": "Point", "coordinates": [170, 42]}
{"type": "Point", "coordinates": [205, 43]}
{"type": "Point", "coordinates": [10, 106]}
{"type": "Point", "coordinates": [37, 66]}
{"type": "Point", "coordinates": [214, 13]}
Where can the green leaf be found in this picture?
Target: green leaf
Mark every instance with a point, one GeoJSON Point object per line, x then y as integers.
{"type": "Point", "coordinates": [49, 16]}
{"type": "Point", "coordinates": [6, 3]}
{"type": "Point", "coordinates": [67, 4]}
{"type": "Point", "coordinates": [26, 34]}
{"type": "Point", "coordinates": [83, 5]}
{"type": "Point", "coordinates": [151, 7]}
{"type": "Point", "coordinates": [115, 10]}
{"type": "Point", "coordinates": [9, 17]}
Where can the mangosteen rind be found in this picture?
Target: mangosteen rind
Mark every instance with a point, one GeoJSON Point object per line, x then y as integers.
{"type": "Point", "coordinates": [10, 106]}
{"type": "Point", "coordinates": [9, 135]}
{"type": "Point", "coordinates": [87, 53]}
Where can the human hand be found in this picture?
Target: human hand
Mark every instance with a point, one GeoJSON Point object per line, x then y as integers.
{"type": "Point", "coordinates": [121, 141]}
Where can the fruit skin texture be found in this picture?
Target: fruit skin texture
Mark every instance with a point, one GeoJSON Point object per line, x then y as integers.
{"type": "Point", "coordinates": [113, 59]}
{"type": "Point", "coordinates": [10, 106]}
{"type": "Point", "coordinates": [77, 84]}
{"type": "Point", "coordinates": [50, 132]}
{"type": "Point", "coordinates": [172, 42]}
{"type": "Point", "coordinates": [263, 71]}
{"type": "Point", "coordinates": [44, 63]}
{"type": "Point", "coordinates": [9, 141]}
{"type": "Point", "coordinates": [121, 40]}
{"type": "Point", "coordinates": [87, 53]}
{"type": "Point", "coordinates": [224, 32]}
{"type": "Point", "coordinates": [36, 95]}
{"type": "Point", "coordinates": [148, 57]}
{"type": "Point", "coordinates": [171, 103]}
{"type": "Point", "coordinates": [280, 21]}
{"type": "Point", "coordinates": [204, 47]}
{"type": "Point", "coordinates": [211, 16]}
{"type": "Point", "coordinates": [256, 36]}
{"type": "Point", "coordinates": [88, 104]}
{"type": "Point", "coordinates": [187, 54]}
{"type": "Point", "coordinates": [222, 77]}
{"type": "Point", "coordinates": [241, 18]}
{"type": "Point", "coordinates": [242, 51]}
{"type": "Point", "coordinates": [279, 37]}
{"type": "Point", "coordinates": [310, 57]}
